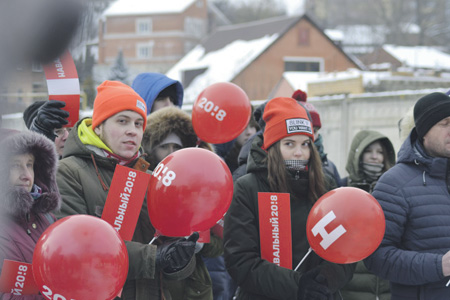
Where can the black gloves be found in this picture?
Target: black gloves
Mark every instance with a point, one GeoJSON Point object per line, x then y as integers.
{"type": "Point", "coordinates": [49, 117]}
{"type": "Point", "coordinates": [176, 255]}
{"type": "Point", "coordinates": [313, 286]}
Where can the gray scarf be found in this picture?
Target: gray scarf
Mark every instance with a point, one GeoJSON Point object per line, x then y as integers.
{"type": "Point", "coordinates": [297, 164]}
{"type": "Point", "coordinates": [372, 171]}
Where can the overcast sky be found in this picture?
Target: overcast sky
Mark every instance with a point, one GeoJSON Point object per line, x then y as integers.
{"type": "Point", "coordinates": [293, 6]}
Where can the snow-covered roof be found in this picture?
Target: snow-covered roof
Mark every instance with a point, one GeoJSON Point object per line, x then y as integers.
{"type": "Point", "coordinates": [335, 35]}
{"type": "Point", "coordinates": [419, 56]}
{"type": "Point", "coordinates": [300, 80]}
{"type": "Point", "coordinates": [146, 7]}
{"type": "Point", "coordinates": [221, 65]}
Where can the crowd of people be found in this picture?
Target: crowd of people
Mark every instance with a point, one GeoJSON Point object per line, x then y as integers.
{"type": "Point", "coordinates": [50, 171]}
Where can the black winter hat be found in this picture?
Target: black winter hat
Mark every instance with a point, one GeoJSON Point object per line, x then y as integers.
{"type": "Point", "coordinates": [31, 111]}
{"type": "Point", "coordinates": [429, 110]}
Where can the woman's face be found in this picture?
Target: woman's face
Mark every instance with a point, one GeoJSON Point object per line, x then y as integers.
{"type": "Point", "coordinates": [295, 147]}
{"type": "Point", "coordinates": [373, 154]}
{"type": "Point", "coordinates": [122, 133]}
{"type": "Point", "coordinates": [21, 172]}
{"type": "Point", "coordinates": [164, 150]}
{"type": "Point", "coordinates": [245, 135]}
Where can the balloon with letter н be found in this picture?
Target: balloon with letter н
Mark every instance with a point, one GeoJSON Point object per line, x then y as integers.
{"type": "Point", "coordinates": [345, 225]}
{"type": "Point", "coordinates": [221, 113]}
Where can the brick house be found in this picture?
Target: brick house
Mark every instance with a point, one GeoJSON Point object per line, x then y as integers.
{"type": "Point", "coordinates": [255, 55]}
{"type": "Point", "coordinates": [153, 35]}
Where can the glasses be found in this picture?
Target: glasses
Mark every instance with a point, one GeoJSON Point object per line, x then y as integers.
{"type": "Point", "coordinates": [61, 131]}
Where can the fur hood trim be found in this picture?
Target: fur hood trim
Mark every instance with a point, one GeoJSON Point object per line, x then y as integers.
{"type": "Point", "coordinates": [165, 121]}
{"type": "Point", "coordinates": [17, 201]}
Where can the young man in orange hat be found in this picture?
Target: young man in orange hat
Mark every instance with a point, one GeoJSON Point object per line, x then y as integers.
{"type": "Point", "coordinates": [93, 150]}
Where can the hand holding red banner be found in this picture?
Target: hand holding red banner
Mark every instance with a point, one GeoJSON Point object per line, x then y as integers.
{"type": "Point", "coordinates": [124, 201]}
{"type": "Point", "coordinates": [190, 190]}
{"type": "Point", "coordinates": [63, 85]}
{"type": "Point", "coordinates": [80, 257]}
{"type": "Point", "coordinates": [345, 225]}
{"type": "Point", "coordinates": [220, 113]}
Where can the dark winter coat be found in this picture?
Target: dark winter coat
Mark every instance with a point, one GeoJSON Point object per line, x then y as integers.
{"type": "Point", "coordinates": [241, 170]}
{"type": "Point", "coordinates": [84, 177]}
{"type": "Point", "coordinates": [149, 85]}
{"type": "Point", "coordinates": [327, 165]}
{"type": "Point", "coordinates": [23, 219]}
{"type": "Point", "coordinates": [258, 278]}
{"type": "Point", "coordinates": [365, 284]}
{"type": "Point", "coordinates": [415, 199]}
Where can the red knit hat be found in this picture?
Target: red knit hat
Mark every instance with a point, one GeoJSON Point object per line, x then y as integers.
{"type": "Point", "coordinates": [301, 96]}
{"type": "Point", "coordinates": [285, 117]}
{"type": "Point", "coordinates": [113, 97]}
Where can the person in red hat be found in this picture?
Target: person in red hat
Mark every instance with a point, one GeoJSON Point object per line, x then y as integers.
{"type": "Point", "coordinates": [282, 160]}
{"type": "Point", "coordinates": [94, 148]}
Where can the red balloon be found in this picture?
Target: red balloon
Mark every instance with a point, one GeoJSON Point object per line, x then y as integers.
{"type": "Point", "coordinates": [221, 113]}
{"type": "Point", "coordinates": [80, 257]}
{"type": "Point", "coordinates": [190, 190]}
{"type": "Point", "coordinates": [345, 225]}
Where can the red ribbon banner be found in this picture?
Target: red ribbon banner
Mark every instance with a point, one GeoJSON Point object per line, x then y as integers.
{"type": "Point", "coordinates": [124, 200]}
{"type": "Point", "coordinates": [63, 85]}
{"type": "Point", "coordinates": [17, 279]}
{"type": "Point", "coordinates": [275, 228]}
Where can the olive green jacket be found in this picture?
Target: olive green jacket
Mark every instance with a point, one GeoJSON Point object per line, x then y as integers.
{"type": "Point", "coordinates": [84, 176]}
{"type": "Point", "coordinates": [364, 284]}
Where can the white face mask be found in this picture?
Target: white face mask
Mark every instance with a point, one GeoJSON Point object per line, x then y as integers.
{"type": "Point", "coordinates": [372, 171]}
{"type": "Point", "coordinates": [297, 164]}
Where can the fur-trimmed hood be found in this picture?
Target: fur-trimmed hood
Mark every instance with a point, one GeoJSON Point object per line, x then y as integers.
{"type": "Point", "coordinates": [165, 121]}
{"type": "Point", "coordinates": [360, 142]}
{"type": "Point", "coordinates": [17, 201]}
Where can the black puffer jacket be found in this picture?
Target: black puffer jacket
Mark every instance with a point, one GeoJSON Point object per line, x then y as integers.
{"type": "Point", "coordinates": [258, 278]}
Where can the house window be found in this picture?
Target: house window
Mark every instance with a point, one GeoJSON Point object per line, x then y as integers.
{"type": "Point", "coordinates": [143, 26]}
{"type": "Point", "coordinates": [195, 27]}
{"type": "Point", "coordinates": [144, 50]}
{"type": "Point", "coordinates": [303, 65]}
{"type": "Point", "coordinates": [303, 37]}
{"type": "Point", "coordinates": [199, 3]}
{"type": "Point", "coordinates": [38, 87]}
{"type": "Point", "coordinates": [36, 67]}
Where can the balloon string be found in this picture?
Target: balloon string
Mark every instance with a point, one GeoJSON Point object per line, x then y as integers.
{"type": "Point", "coordinates": [303, 259]}
{"type": "Point", "coordinates": [154, 238]}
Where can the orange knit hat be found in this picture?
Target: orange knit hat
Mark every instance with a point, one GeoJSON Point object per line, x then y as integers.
{"type": "Point", "coordinates": [285, 117]}
{"type": "Point", "coordinates": [113, 97]}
